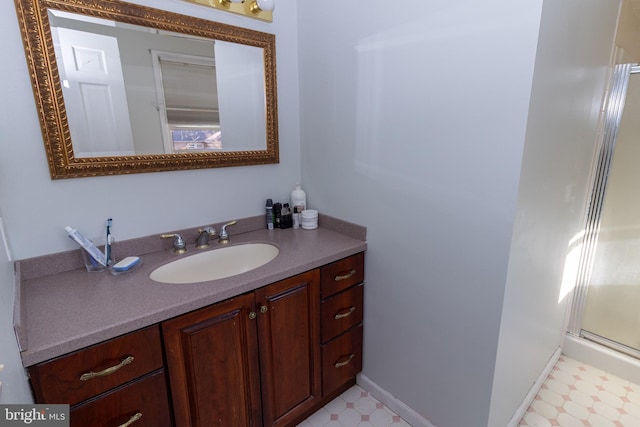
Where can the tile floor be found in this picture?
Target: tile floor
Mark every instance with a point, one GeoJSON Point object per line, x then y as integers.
{"type": "Point", "coordinates": [573, 395]}
{"type": "Point", "coordinates": [577, 395]}
{"type": "Point", "coordinates": [354, 407]}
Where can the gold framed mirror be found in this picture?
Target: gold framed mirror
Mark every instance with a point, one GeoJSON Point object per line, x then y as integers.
{"type": "Point", "coordinates": [157, 113]}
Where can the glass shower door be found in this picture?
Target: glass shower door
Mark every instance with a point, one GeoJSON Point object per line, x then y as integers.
{"type": "Point", "coordinates": [611, 313]}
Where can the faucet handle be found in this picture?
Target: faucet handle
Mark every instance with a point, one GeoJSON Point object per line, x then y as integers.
{"type": "Point", "coordinates": [179, 245]}
{"type": "Point", "coordinates": [223, 237]}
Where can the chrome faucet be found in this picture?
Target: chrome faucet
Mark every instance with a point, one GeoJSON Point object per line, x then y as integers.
{"type": "Point", "coordinates": [179, 245]}
{"type": "Point", "coordinates": [203, 238]}
{"type": "Point", "coordinates": [223, 237]}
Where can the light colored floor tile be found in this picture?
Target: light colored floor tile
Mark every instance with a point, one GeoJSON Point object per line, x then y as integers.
{"type": "Point", "coordinates": [592, 377]}
{"type": "Point", "coordinates": [610, 399]}
{"type": "Point", "coordinates": [551, 397]}
{"type": "Point", "coordinates": [354, 408]}
{"type": "Point", "coordinates": [336, 406]}
{"type": "Point", "coordinates": [536, 420]}
{"type": "Point", "coordinates": [632, 409]}
{"type": "Point", "coordinates": [628, 420]}
{"type": "Point", "coordinates": [616, 385]}
{"type": "Point", "coordinates": [577, 395]}
{"type": "Point", "coordinates": [543, 408]}
{"type": "Point", "coordinates": [320, 419]}
{"type": "Point", "coordinates": [365, 406]}
{"type": "Point", "coordinates": [586, 388]}
{"type": "Point", "coordinates": [567, 420]}
{"type": "Point", "coordinates": [560, 388]}
{"type": "Point", "coordinates": [598, 420]}
{"type": "Point", "coordinates": [563, 377]}
{"type": "Point", "coordinates": [634, 397]}
{"type": "Point", "coordinates": [607, 411]}
{"type": "Point", "coordinates": [581, 398]}
{"type": "Point", "coordinates": [576, 410]}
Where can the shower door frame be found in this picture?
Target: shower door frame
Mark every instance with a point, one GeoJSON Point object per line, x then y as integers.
{"type": "Point", "coordinates": [612, 117]}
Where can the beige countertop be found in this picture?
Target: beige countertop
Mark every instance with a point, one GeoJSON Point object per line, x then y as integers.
{"type": "Point", "coordinates": [71, 309]}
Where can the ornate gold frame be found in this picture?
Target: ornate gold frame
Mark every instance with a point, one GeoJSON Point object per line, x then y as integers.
{"type": "Point", "coordinates": [47, 90]}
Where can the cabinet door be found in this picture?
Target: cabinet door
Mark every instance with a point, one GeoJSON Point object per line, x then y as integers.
{"type": "Point", "coordinates": [212, 359]}
{"type": "Point", "coordinates": [289, 339]}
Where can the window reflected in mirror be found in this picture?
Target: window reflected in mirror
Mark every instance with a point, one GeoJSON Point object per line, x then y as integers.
{"type": "Point", "coordinates": [187, 101]}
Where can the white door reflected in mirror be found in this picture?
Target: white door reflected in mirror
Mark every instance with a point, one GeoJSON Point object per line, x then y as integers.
{"type": "Point", "coordinates": [94, 91]}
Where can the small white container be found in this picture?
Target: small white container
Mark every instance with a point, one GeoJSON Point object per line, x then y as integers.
{"type": "Point", "coordinates": [309, 219]}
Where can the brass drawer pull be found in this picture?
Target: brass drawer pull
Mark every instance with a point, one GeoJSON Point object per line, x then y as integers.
{"type": "Point", "coordinates": [346, 362]}
{"type": "Point", "coordinates": [347, 313]}
{"type": "Point", "coordinates": [345, 276]}
{"type": "Point", "coordinates": [90, 375]}
{"type": "Point", "coordinates": [132, 420]}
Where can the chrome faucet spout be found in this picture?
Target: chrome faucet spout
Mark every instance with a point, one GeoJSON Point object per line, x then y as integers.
{"type": "Point", "coordinates": [203, 238]}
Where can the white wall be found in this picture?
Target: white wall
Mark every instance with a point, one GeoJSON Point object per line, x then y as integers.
{"type": "Point", "coordinates": [14, 387]}
{"type": "Point", "coordinates": [413, 123]}
{"type": "Point", "coordinates": [36, 209]}
{"type": "Point", "coordinates": [575, 47]}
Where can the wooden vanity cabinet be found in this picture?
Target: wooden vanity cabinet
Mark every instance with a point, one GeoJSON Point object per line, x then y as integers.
{"type": "Point", "coordinates": [271, 358]}
{"type": "Point", "coordinates": [253, 360]}
{"type": "Point", "coordinates": [109, 384]}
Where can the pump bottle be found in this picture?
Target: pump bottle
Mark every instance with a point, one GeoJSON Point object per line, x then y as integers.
{"type": "Point", "coordinates": [298, 198]}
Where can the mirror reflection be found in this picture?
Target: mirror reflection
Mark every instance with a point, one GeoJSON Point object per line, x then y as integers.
{"type": "Point", "coordinates": [134, 90]}
{"type": "Point", "coordinates": [123, 88]}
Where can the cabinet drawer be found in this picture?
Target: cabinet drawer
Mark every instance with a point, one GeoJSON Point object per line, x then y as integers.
{"type": "Point", "coordinates": [341, 360]}
{"type": "Point", "coordinates": [105, 365]}
{"type": "Point", "coordinates": [146, 397]}
{"type": "Point", "coordinates": [341, 312]}
{"type": "Point", "coordinates": [341, 274]}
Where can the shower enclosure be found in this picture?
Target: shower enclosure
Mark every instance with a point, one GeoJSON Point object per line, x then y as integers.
{"type": "Point", "coordinates": [606, 300]}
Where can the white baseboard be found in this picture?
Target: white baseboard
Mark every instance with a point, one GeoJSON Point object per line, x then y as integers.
{"type": "Point", "coordinates": [522, 409]}
{"type": "Point", "coordinates": [391, 402]}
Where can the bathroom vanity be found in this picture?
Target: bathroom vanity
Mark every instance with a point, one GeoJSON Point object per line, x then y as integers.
{"type": "Point", "coordinates": [264, 348]}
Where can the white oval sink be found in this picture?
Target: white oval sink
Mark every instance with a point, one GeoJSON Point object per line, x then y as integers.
{"type": "Point", "coordinates": [215, 264]}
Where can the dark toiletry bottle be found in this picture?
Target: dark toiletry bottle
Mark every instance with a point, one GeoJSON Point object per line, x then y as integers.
{"type": "Point", "coordinates": [296, 217]}
{"type": "Point", "coordinates": [277, 212]}
{"type": "Point", "coordinates": [286, 220]}
{"type": "Point", "coordinates": [269, 213]}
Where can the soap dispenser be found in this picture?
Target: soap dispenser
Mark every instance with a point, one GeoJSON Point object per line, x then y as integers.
{"type": "Point", "coordinates": [298, 199]}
